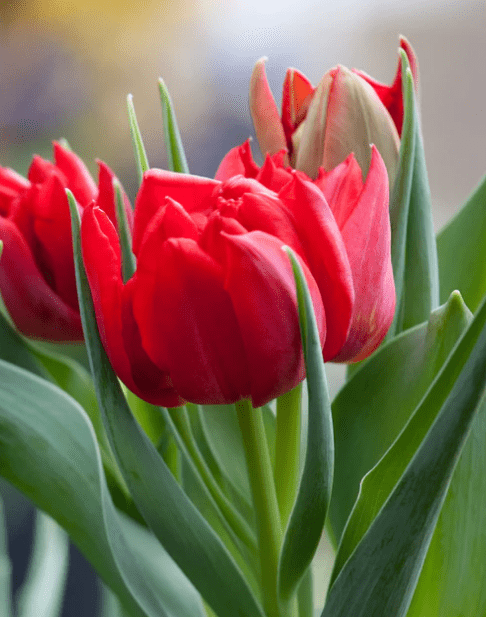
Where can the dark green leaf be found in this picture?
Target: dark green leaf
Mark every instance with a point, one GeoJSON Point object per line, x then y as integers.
{"type": "Point", "coordinates": [5, 568]}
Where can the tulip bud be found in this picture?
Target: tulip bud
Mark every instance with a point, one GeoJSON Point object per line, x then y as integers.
{"type": "Point", "coordinates": [320, 127]}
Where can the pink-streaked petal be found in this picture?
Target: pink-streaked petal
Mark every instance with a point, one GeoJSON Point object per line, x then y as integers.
{"type": "Point", "coordinates": [266, 119]}
{"type": "Point", "coordinates": [259, 279]}
{"type": "Point", "coordinates": [106, 195]}
{"type": "Point", "coordinates": [78, 178]}
{"type": "Point", "coordinates": [296, 96]}
{"type": "Point", "coordinates": [367, 238]}
{"type": "Point", "coordinates": [187, 321]}
{"type": "Point", "coordinates": [194, 193]}
{"type": "Point", "coordinates": [238, 161]}
{"type": "Point", "coordinates": [325, 253]}
{"type": "Point", "coordinates": [34, 307]}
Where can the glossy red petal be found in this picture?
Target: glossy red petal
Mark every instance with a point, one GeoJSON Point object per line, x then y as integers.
{"type": "Point", "coordinates": [11, 185]}
{"type": "Point", "coordinates": [238, 161]}
{"type": "Point", "coordinates": [325, 254]}
{"type": "Point", "coordinates": [366, 234]}
{"type": "Point", "coordinates": [40, 170]}
{"type": "Point", "coordinates": [106, 195]}
{"type": "Point", "coordinates": [273, 174]}
{"type": "Point", "coordinates": [78, 178]}
{"type": "Point", "coordinates": [187, 321]}
{"type": "Point", "coordinates": [34, 307]}
{"type": "Point", "coordinates": [259, 279]}
{"type": "Point", "coordinates": [112, 304]}
{"type": "Point", "coordinates": [192, 192]}
{"type": "Point", "coordinates": [52, 227]}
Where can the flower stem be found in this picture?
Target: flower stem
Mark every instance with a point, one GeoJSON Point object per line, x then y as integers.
{"type": "Point", "coordinates": [264, 501]}
{"type": "Point", "coordinates": [287, 450]}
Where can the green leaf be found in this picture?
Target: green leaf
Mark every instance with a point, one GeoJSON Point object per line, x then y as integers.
{"type": "Point", "coordinates": [48, 450]}
{"type": "Point", "coordinates": [462, 250]}
{"type": "Point", "coordinates": [177, 524]}
{"type": "Point", "coordinates": [5, 568]}
{"type": "Point", "coordinates": [414, 253]}
{"type": "Point", "coordinates": [389, 531]}
{"type": "Point", "coordinates": [308, 515]}
{"type": "Point", "coordinates": [138, 147]}
{"type": "Point", "coordinates": [129, 264]}
{"type": "Point", "coordinates": [41, 594]}
{"type": "Point", "coordinates": [374, 406]}
{"type": "Point", "coordinates": [176, 157]}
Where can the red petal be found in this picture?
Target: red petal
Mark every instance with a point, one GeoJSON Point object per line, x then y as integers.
{"type": "Point", "coordinates": [34, 307]}
{"type": "Point", "coordinates": [192, 192]}
{"type": "Point", "coordinates": [52, 227]}
{"type": "Point", "coordinates": [78, 178]}
{"type": "Point", "coordinates": [259, 279]}
{"type": "Point", "coordinates": [238, 161]}
{"type": "Point", "coordinates": [296, 97]}
{"type": "Point", "coordinates": [112, 302]}
{"type": "Point", "coordinates": [341, 187]}
{"type": "Point", "coordinates": [392, 96]}
{"type": "Point", "coordinates": [187, 321]}
{"type": "Point", "coordinates": [325, 254]}
{"type": "Point", "coordinates": [366, 234]}
{"type": "Point", "coordinates": [40, 170]}
{"type": "Point", "coordinates": [273, 174]}
{"type": "Point", "coordinates": [106, 195]}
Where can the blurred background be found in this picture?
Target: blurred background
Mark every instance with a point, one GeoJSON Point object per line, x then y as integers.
{"type": "Point", "coordinates": [67, 66]}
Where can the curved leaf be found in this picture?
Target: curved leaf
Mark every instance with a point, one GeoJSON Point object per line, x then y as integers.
{"type": "Point", "coordinates": [374, 406]}
{"type": "Point", "coordinates": [390, 529]}
{"type": "Point", "coordinates": [173, 142]}
{"type": "Point", "coordinates": [308, 514]}
{"type": "Point", "coordinates": [48, 450]}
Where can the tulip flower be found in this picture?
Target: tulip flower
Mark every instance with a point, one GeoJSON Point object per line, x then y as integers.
{"type": "Point", "coordinates": [210, 313]}
{"type": "Point", "coordinates": [37, 279]}
{"type": "Point", "coordinates": [360, 312]}
{"type": "Point", "coordinates": [320, 127]}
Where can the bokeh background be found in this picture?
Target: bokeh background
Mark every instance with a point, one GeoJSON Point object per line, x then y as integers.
{"type": "Point", "coordinates": [67, 66]}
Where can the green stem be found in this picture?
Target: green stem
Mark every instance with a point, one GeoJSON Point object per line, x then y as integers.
{"type": "Point", "coordinates": [264, 501]}
{"type": "Point", "coordinates": [287, 450]}
{"type": "Point", "coordinates": [180, 418]}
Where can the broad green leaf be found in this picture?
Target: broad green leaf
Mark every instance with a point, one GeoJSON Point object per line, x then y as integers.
{"type": "Point", "coordinates": [176, 157]}
{"type": "Point", "coordinates": [5, 568]}
{"type": "Point", "coordinates": [48, 450]}
{"type": "Point", "coordinates": [452, 581]}
{"type": "Point", "coordinates": [13, 348]}
{"type": "Point", "coordinates": [390, 529]}
{"type": "Point", "coordinates": [41, 594]}
{"type": "Point", "coordinates": [461, 247]}
{"type": "Point", "coordinates": [177, 524]}
{"type": "Point", "coordinates": [414, 253]}
{"type": "Point", "coordinates": [373, 407]}
{"type": "Point", "coordinates": [138, 147]}
{"type": "Point", "coordinates": [308, 515]}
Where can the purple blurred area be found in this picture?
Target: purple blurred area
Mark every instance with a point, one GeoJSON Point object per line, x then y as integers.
{"type": "Point", "coordinates": [66, 68]}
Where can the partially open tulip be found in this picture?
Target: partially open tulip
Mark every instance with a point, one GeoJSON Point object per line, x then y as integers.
{"type": "Point", "coordinates": [320, 127]}
{"type": "Point", "coordinates": [210, 314]}
{"type": "Point", "coordinates": [37, 280]}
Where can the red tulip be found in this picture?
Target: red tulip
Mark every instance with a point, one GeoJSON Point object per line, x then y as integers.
{"type": "Point", "coordinates": [357, 289]}
{"type": "Point", "coordinates": [37, 280]}
{"type": "Point", "coordinates": [320, 127]}
{"type": "Point", "coordinates": [210, 315]}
